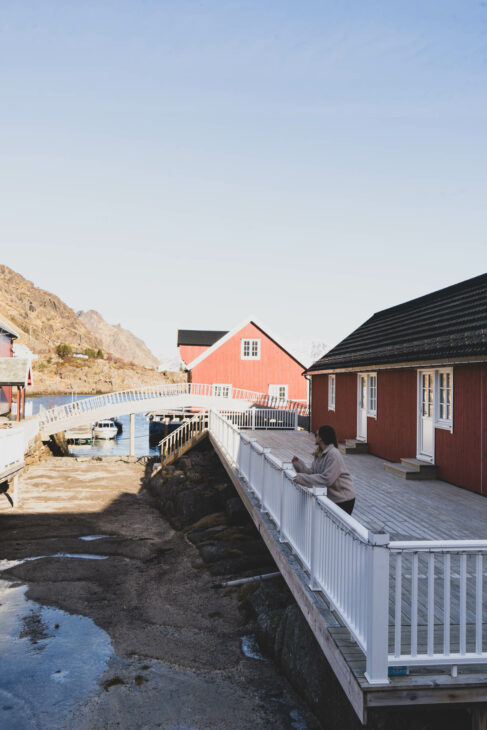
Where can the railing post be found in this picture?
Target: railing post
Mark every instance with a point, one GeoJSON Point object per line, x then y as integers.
{"type": "Point", "coordinates": [295, 420]}
{"type": "Point", "coordinates": [265, 451]}
{"type": "Point", "coordinates": [252, 419]}
{"type": "Point", "coordinates": [251, 441]}
{"type": "Point", "coordinates": [286, 468]}
{"type": "Point", "coordinates": [315, 538]}
{"type": "Point", "coordinates": [377, 609]}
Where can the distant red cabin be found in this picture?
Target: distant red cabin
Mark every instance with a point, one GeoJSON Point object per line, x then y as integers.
{"type": "Point", "coordinates": [412, 383]}
{"type": "Point", "coordinates": [14, 372]}
{"type": "Point", "coordinates": [246, 357]}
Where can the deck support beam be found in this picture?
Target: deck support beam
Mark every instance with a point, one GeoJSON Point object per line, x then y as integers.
{"type": "Point", "coordinates": [132, 434]}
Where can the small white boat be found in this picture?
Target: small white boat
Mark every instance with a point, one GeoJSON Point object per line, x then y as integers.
{"type": "Point", "coordinates": [105, 429]}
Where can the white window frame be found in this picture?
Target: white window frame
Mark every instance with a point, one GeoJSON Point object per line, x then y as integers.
{"type": "Point", "coordinates": [253, 341]}
{"type": "Point", "coordinates": [275, 387]}
{"type": "Point", "coordinates": [222, 390]}
{"type": "Point", "coordinates": [371, 406]}
{"type": "Point", "coordinates": [445, 423]}
{"type": "Point", "coordinates": [332, 391]}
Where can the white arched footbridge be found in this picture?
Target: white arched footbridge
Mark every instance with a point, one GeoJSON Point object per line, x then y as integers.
{"type": "Point", "coordinates": [156, 398]}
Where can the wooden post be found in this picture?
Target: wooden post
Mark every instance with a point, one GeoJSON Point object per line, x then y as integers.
{"type": "Point", "coordinates": [22, 402]}
{"type": "Point", "coordinates": [132, 434]}
{"type": "Point", "coordinates": [479, 717]}
{"type": "Point", "coordinates": [377, 609]}
{"type": "Point", "coordinates": [18, 404]}
{"type": "Point", "coordinates": [315, 542]}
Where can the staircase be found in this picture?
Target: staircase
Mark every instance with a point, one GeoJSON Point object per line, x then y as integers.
{"type": "Point", "coordinates": [183, 439]}
{"type": "Point", "coordinates": [412, 469]}
{"type": "Point", "coordinates": [352, 446]}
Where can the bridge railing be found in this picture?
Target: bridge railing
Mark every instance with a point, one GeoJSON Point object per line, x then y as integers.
{"type": "Point", "coordinates": [146, 394]}
{"type": "Point", "coordinates": [12, 446]}
{"type": "Point", "coordinates": [188, 430]}
{"type": "Point", "coordinates": [344, 560]}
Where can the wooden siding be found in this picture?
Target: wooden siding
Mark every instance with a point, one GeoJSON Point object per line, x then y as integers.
{"type": "Point", "coordinates": [459, 455]}
{"type": "Point", "coordinates": [5, 390]}
{"type": "Point", "coordinates": [188, 353]}
{"type": "Point", "coordinates": [392, 435]}
{"type": "Point", "coordinates": [275, 366]}
{"type": "Point", "coordinates": [344, 417]}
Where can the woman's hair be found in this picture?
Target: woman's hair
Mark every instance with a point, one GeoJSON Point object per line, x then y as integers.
{"type": "Point", "coordinates": [327, 435]}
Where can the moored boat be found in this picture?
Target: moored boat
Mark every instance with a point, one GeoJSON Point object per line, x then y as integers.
{"type": "Point", "coordinates": [105, 429]}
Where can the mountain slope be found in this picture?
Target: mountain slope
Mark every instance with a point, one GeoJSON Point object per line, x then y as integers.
{"type": "Point", "coordinates": [41, 319]}
{"type": "Point", "coordinates": [117, 340]}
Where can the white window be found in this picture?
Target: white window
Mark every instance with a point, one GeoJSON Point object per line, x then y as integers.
{"type": "Point", "coordinates": [278, 391]}
{"type": "Point", "coordinates": [222, 390]}
{"type": "Point", "coordinates": [372, 395]}
{"type": "Point", "coordinates": [250, 349]}
{"type": "Point", "coordinates": [444, 398]}
{"type": "Point", "coordinates": [331, 392]}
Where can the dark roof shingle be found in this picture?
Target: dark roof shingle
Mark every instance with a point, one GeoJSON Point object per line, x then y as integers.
{"type": "Point", "coordinates": [451, 322]}
{"type": "Point", "coordinates": [200, 338]}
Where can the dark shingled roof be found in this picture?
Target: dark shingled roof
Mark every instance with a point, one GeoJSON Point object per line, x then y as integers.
{"type": "Point", "coordinates": [199, 337]}
{"type": "Point", "coordinates": [448, 323]}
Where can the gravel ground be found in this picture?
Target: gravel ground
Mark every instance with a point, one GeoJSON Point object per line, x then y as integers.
{"type": "Point", "coordinates": [176, 658]}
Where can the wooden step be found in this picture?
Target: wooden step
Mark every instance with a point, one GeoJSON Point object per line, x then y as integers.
{"type": "Point", "coordinates": [425, 467]}
{"type": "Point", "coordinates": [352, 446]}
{"type": "Point", "coordinates": [412, 469]}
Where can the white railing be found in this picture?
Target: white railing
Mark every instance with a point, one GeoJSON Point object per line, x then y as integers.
{"type": "Point", "coordinates": [439, 595]}
{"type": "Point", "coordinates": [188, 430]}
{"type": "Point", "coordinates": [141, 397]}
{"type": "Point", "coordinates": [263, 418]}
{"type": "Point", "coordinates": [11, 447]}
{"type": "Point", "coordinates": [31, 429]}
{"type": "Point", "coordinates": [437, 589]}
{"type": "Point", "coordinates": [344, 560]}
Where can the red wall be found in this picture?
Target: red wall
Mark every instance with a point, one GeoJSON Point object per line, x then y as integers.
{"type": "Point", "coordinates": [392, 434]}
{"type": "Point", "coordinates": [461, 455]}
{"type": "Point", "coordinates": [5, 390]}
{"type": "Point", "coordinates": [275, 366]}
{"type": "Point", "coordinates": [188, 353]}
{"type": "Point", "coordinates": [344, 417]}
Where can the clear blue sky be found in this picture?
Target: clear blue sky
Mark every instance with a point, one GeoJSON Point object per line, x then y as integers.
{"type": "Point", "coordinates": [186, 164]}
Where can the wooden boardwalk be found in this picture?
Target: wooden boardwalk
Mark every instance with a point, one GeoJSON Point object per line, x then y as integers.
{"type": "Point", "coordinates": [407, 510]}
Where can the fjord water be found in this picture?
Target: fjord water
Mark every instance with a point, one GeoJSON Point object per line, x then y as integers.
{"type": "Point", "coordinates": [119, 446]}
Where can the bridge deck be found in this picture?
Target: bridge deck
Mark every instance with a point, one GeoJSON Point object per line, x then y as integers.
{"type": "Point", "coordinates": [424, 510]}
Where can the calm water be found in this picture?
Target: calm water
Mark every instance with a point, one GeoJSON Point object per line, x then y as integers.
{"type": "Point", "coordinates": [119, 445]}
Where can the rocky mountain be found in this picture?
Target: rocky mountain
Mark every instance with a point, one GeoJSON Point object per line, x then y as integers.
{"type": "Point", "coordinates": [41, 319]}
{"type": "Point", "coordinates": [117, 340]}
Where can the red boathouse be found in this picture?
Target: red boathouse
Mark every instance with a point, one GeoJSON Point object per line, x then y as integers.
{"type": "Point", "coordinates": [246, 357]}
{"type": "Point", "coordinates": [411, 382]}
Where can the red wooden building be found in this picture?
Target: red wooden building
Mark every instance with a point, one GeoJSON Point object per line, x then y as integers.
{"type": "Point", "coordinates": [411, 382]}
{"type": "Point", "coordinates": [246, 357]}
{"type": "Point", "coordinates": [14, 373]}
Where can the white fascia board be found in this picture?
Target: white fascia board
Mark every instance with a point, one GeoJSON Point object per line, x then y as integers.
{"type": "Point", "coordinates": [231, 334]}
{"type": "Point", "coordinates": [217, 344]}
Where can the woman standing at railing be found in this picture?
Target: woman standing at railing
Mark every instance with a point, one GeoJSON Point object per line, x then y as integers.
{"type": "Point", "coordinates": [327, 470]}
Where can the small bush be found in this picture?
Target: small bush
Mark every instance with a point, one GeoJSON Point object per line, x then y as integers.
{"type": "Point", "coordinates": [90, 352]}
{"type": "Point", "coordinates": [63, 350]}
{"type": "Point", "coordinates": [99, 355]}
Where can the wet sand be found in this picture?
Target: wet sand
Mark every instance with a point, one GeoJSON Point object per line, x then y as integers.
{"type": "Point", "coordinates": [174, 657]}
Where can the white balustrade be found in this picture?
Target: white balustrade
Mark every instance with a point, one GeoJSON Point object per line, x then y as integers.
{"type": "Point", "coordinates": [12, 446]}
{"type": "Point", "coordinates": [439, 602]}
{"type": "Point", "coordinates": [283, 411]}
{"type": "Point", "coordinates": [180, 436]}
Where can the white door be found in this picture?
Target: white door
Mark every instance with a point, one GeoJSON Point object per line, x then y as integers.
{"type": "Point", "coordinates": [426, 421]}
{"type": "Point", "coordinates": [362, 408]}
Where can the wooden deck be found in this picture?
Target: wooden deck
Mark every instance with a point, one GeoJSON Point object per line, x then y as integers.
{"type": "Point", "coordinates": [419, 510]}
{"type": "Point", "coordinates": [407, 510]}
